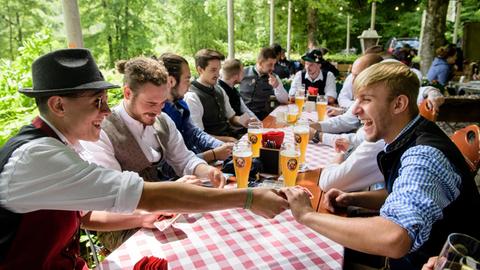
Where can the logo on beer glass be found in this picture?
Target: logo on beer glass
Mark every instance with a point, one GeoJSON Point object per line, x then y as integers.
{"type": "Point", "coordinates": [298, 138]}
{"type": "Point", "coordinates": [253, 139]}
{"type": "Point", "coordinates": [292, 164]}
{"type": "Point", "coordinates": [240, 162]}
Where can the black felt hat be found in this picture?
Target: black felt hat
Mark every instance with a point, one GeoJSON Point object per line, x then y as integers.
{"type": "Point", "coordinates": [314, 56]}
{"type": "Point", "coordinates": [64, 72]}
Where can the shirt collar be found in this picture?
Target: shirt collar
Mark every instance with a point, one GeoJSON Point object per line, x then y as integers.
{"type": "Point", "coordinates": [136, 127]}
{"type": "Point", "coordinates": [391, 146]}
{"type": "Point", "coordinates": [319, 77]}
{"type": "Point", "coordinates": [77, 147]}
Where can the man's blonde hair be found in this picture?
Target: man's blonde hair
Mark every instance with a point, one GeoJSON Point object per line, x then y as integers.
{"type": "Point", "coordinates": [397, 78]}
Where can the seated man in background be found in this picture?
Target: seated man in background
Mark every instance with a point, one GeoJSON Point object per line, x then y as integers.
{"type": "Point", "coordinates": [46, 185]}
{"type": "Point", "coordinates": [196, 140]}
{"type": "Point", "coordinates": [209, 104]}
{"type": "Point", "coordinates": [138, 137]}
{"type": "Point", "coordinates": [282, 66]}
{"type": "Point", "coordinates": [428, 185]}
{"type": "Point", "coordinates": [315, 76]}
{"type": "Point", "coordinates": [259, 83]}
{"type": "Point", "coordinates": [231, 75]}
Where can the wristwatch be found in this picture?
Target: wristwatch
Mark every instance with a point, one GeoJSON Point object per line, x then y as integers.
{"type": "Point", "coordinates": [317, 136]}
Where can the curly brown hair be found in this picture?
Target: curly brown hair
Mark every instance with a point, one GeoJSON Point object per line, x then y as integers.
{"type": "Point", "coordinates": [141, 70]}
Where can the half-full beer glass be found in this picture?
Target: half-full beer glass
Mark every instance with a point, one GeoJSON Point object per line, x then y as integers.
{"type": "Point", "coordinates": [255, 134]}
{"type": "Point", "coordinates": [300, 135]}
{"type": "Point", "coordinates": [300, 99]}
{"type": "Point", "coordinates": [292, 114]}
{"type": "Point", "coordinates": [321, 107]}
{"type": "Point", "coordinates": [242, 162]}
{"type": "Point", "coordinates": [289, 163]}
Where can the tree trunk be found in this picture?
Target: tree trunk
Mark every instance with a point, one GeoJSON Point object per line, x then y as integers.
{"type": "Point", "coordinates": [434, 32]}
{"type": "Point", "coordinates": [19, 28]}
{"type": "Point", "coordinates": [312, 28]}
{"type": "Point", "coordinates": [111, 58]}
{"type": "Point", "coordinates": [125, 37]}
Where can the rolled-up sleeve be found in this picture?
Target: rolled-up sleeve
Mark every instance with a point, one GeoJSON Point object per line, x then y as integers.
{"type": "Point", "coordinates": [45, 174]}
{"type": "Point", "coordinates": [427, 183]}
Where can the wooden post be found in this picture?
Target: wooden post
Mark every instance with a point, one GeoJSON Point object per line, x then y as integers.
{"type": "Point", "coordinates": [289, 28]}
{"type": "Point", "coordinates": [231, 40]}
{"type": "Point", "coordinates": [73, 27]}
{"type": "Point", "coordinates": [348, 35]}
{"type": "Point", "coordinates": [272, 21]}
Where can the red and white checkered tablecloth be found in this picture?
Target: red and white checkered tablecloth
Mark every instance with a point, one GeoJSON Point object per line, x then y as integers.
{"type": "Point", "coordinates": [231, 239]}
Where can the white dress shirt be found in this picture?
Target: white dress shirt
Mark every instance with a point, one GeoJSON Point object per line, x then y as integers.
{"type": "Point", "coordinates": [358, 172]}
{"type": "Point", "coordinates": [196, 107]}
{"type": "Point", "coordinates": [330, 88]}
{"type": "Point", "coordinates": [48, 174]}
{"type": "Point", "coordinates": [345, 97]}
{"type": "Point", "coordinates": [341, 123]}
{"type": "Point", "coordinates": [182, 160]}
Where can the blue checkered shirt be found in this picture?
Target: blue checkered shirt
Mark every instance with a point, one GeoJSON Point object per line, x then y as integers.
{"type": "Point", "coordinates": [426, 184]}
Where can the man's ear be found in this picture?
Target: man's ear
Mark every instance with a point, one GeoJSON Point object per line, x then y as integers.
{"type": "Point", "coordinates": [172, 81]}
{"type": "Point", "coordinates": [56, 106]}
{"type": "Point", "coordinates": [199, 70]}
{"type": "Point", "coordinates": [127, 92]}
{"type": "Point", "coordinates": [401, 104]}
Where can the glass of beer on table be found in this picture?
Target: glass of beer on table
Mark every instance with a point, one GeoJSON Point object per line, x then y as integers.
{"type": "Point", "coordinates": [292, 114]}
{"type": "Point", "coordinates": [289, 163]}
{"type": "Point", "coordinates": [255, 131]}
{"type": "Point", "coordinates": [242, 162]}
{"type": "Point", "coordinates": [321, 107]}
{"type": "Point", "coordinates": [300, 135]}
{"type": "Point", "coordinates": [300, 99]}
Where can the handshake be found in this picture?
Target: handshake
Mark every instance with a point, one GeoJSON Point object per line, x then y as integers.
{"type": "Point", "coordinates": [269, 202]}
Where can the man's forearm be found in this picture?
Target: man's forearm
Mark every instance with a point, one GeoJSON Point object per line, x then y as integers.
{"type": "Point", "coordinates": [184, 198]}
{"type": "Point", "coordinates": [106, 221]}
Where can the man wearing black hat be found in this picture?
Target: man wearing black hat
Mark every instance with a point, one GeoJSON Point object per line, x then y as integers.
{"type": "Point", "coordinates": [315, 76]}
{"type": "Point", "coordinates": [45, 184]}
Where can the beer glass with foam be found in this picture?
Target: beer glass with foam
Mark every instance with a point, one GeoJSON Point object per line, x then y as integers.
{"type": "Point", "coordinates": [289, 163]}
{"type": "Point", "coordinates": [321, 106]}
{"type": "Point", "coordinates": [242, 162]}
{"type": "Point", "coordinates": [300, 99]}
{"type": "Point", "coordinates": [255, 132]}
{"type": "Point", "coordinates": [292, 114]}
{"type": "Point", "coordinates": [300, 135]}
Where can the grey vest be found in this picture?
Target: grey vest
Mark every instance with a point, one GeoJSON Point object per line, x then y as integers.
{"type": "Point", "coordinates": [255, 91]}
{"type": "Point", "coordinates": [127, 151]}
{"type": "Point", "coordinates": [214, 120]}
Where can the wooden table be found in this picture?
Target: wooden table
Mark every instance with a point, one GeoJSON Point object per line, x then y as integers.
{"type": "Point", "coordinates": [460, 109]}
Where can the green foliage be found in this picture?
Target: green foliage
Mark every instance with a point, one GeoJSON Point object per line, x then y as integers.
{"type": "Point", "coordinates": [16, 109]}
{"type": "Point", "coordinates": [341, 58]}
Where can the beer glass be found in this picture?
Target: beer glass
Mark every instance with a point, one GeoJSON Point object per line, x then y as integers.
{"type": "Point", "coordinates": [460, 252]}
{"type": "Point", "coordinates": [300, 99]}
{"type": "Point", "coordinates": [300, 135]}
{"type": "Point", "coordinates": [289, 163]}
{"type": "Point", "coordinates": [242, 162]}
{"type": "Point", "coordinates": [255, 132]}
{"type": "Point", "coordinates": [321, 107]}
{"type": "Point", "coordinates": [292, 114]}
